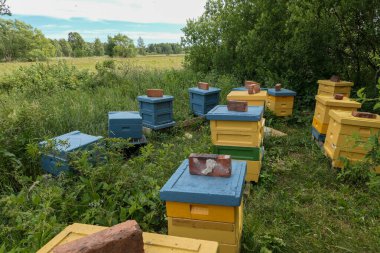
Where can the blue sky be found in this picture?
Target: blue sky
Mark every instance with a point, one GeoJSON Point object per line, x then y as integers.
{"type": "Point", "coordinates": [154, 20]}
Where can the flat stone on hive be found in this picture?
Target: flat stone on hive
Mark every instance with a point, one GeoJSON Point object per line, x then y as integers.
{"type": "Point", "coordinates": [125, 237]}
{"type": "Point", "coordinates": [338, 96]}
{"type": "Point", "coordinates": [210, 165]}
{"type": "Point", "coordinates": [367, 115]}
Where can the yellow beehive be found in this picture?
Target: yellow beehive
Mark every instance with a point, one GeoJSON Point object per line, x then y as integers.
{"type": "Point", "coordinates": [153, 243]}
{"type": "Point", "coordinates": [257, 99]}
{"type": "Point", "coordinates": [323, 106]}
{"type": "Point", "coordinates": [237, 133]}
{"type": "Point", "coordinates": [280, 106]}
{"type": "Point", "coordinates": [329, 88]}
{"type": "Point", "coordinates": [228, 235]}
{"type": "Point", "coordinates": [347, 136]}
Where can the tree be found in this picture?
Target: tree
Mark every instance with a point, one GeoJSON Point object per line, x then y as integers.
{"type": "Point", "coordinates": [65, 47]}
{"type": "Point", "coordinates": [4, 8]}
{"type": "Point", "coordinates": [98, 48]}
{"type": "Point", "coordinates": [78, 45]}
{"type": "Point", "coordinates": [121, 45]}
{"type": "Point", "coordinates": [141, 46]}
{"type": "Point", "coordinates": [58, 48]}
{"type": "Point", "coordinates": [293, 42]}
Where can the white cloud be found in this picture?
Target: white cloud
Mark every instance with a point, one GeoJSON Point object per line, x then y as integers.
{"type": "Point", "coordinates": [144, 11]}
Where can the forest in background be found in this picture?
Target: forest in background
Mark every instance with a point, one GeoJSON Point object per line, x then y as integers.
{"type": "Point", "coordinates": [20, 41]}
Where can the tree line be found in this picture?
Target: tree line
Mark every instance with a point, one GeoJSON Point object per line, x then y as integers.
{"type": "Point", "coordinates": [292, 41]}
{"type": "Point", "coordinates": [20, 41]}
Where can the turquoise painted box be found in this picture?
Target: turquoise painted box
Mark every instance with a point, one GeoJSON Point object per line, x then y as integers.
{"type": "Point", "coordinates": [156, 112]}
{"type": "Point", "coordinates": [184, 187]}
{"type": "Point", "coordinates": [56, 155]}
{"type": "Point", "coordinates": [125, 125]}
{"type": "Point", "coordinates": [202, 101]}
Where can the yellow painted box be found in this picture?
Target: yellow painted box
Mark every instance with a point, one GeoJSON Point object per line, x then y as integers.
{"type": "Point", "coordinates": [237, 133]}
{"type": "Point", "coordinates": [228, 235]}
{"type": "Point", "coordinates": [280, 106]}
{"type": "Point", "coordinates": [326, 103]}
{"type": "Point", "coordinates": [201, 212]}
{"type": "Point", "coordinates": [327, 87]}
{"type": "Point", "coordinates": [153, 243]}
{"type": "Point", "coordinates": [347, 136]}
{"type": "Point", "coordinates": [253, 170]}
{"type": "Point", "coordinates": [257, 99]}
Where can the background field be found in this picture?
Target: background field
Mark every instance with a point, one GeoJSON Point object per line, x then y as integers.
{"type": "Point", "coordinates": [150, 61]}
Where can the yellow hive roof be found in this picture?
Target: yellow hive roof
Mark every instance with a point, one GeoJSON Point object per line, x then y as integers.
{"type": "Point", "coordinates": [243, 95]}
{"type": "Point", "coordinates": [331, 101]}
{"type": "Point", "coordinates": [335, 84]}
{"type": "Point", "coordinates": [346, 118]}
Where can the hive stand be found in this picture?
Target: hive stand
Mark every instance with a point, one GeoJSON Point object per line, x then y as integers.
{"type": "Point", "coordinates": [197, 210]}
{"type": "Point", "coordinates": [156, 112]}
{"type": "Point", "coordinates": [56, 160]}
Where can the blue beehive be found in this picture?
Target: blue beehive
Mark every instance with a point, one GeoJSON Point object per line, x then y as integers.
{"type": "Point", "coordinates": [318, 136]}
{"type": "Point", "coordinates": [57, 160]}
{"type": "Point", "coordinates": [202, 101]}
{"type": "Point", "coordinates": [124, 125]}
{"type": "Point", "coordinates": [184, 187]}
{"type": "Point", "coordinates": [156, 112]}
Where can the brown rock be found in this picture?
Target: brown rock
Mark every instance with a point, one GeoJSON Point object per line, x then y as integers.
{"type": "Point", "coordinates": [254, 88]}
{"type": "Point", "coordinates": [338, 96]}
{"type": "Point", "coordinates": [367, 115]}
{"type": "Point", "coordinates": [210, 165]}
{"type": "Point", "coordinates": [203, 86]}
{"type": "Point", "coordinates": [237, 106]}
{"type": "Point", "coordinates": [157, 93]}
{"type": "Point", "coordinates": [277, 87]}
{"type": "Point", "coordinates": [335, 78]}
{"type": "Point", "coordinates": [125, 237]}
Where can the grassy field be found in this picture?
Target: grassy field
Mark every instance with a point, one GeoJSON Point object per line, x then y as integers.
{"type": "Point", "coordinates": [150, 61]}
{"type": "Point", "coordinates": [299, 205]}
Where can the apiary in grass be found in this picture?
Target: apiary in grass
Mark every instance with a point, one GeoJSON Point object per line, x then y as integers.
{"type": "Point", "coordinates": [281, 101]}
{"type": "Point", "coordinates": [348, 135]}
{"type": "Point", "coordinates": [329, 87]}
{"type": "Point", "coordinates": [156, 112]}
{"type": "Point", "coordinates": [238, 129]}
{"type": "Point", "coordinates": [57, 151]}
{"type": "Point", "coordinates": [125, 125]}
{"type": "Point", "coordinates": [153, 243]}
{"type": "Point", "coordinates": [207, 208]}
{"type": "Point", "coordinates": [323, 106]}
{"type": "Point", "coordinates": [257, 99]}
{"type": "Point", "coordinates": [203, 100]}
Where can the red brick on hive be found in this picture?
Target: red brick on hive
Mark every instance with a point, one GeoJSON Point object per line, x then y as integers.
{"type": "Point", "coordinates": [210, 165]}
{"type": "Point", "coordinates": [248, 83]}
{"type": "Point", "coordinates": [125, 237]}
{"type": "Point", "coordinates": [155, 93]}
{"type": "Point", "coordinates": [237, 106]}
{"type": "Point", "coordinates": [203, 86]}
{"type": "Point", "coordinates": [254, 88]}
{"type": "Point", "coordinates": [367, 115]}
{"type": "Point", "coordinates": [338, 96]}
{"type": "Point", "coordinates": [277, 87]}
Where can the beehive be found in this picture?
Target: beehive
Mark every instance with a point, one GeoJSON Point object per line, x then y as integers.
{"type": "Point", "coordinates": [243, 88]}
{"type": "Point", "coordinates": [257, 99]}
{"type": "Point", "coordinates": [347, 136]}
{"type": "Point", "coordinates": [281, 102]}
{"type": "Point", "coordinates": [329, 88]}
{"type": "Point", "coordinates": [156, 112]}
{"type": "Point", "coordinates": [196, 210]}
{"type": "Point", "coordinates": [153, 243]}
{"type": "Point", "coordinates": [202, 101]}
{"type": "Point", "coordinates": [57, 151]}
{"type": "Point", "coordinates": [323, 106]}
{"type": "Point", "coordinates": [238, 129]}
{"type": "Point", "coordinates": [253, 157]}
{"type": "Point", "coordinates": [124, 125]}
